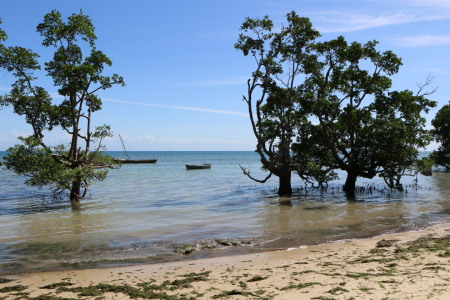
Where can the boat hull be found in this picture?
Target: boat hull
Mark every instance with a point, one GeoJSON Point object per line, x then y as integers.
{"type": "Point", "coordinates": [136, 161]}
{"type": "Point", "coordinates": [198, 167]}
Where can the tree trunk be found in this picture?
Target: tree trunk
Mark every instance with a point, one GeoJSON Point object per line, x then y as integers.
{"type": "Point", "coordinates": [350, 183]}
{"type": "Point", "coordinates": [75, 193]}
{"type": "Point", "coordinates": [398, 184]}
{"type": "Point", "coordinates": [285, 188]}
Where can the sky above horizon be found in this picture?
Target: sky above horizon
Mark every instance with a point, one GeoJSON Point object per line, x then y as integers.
{"type": "Point", "coordinates": [184, 79]}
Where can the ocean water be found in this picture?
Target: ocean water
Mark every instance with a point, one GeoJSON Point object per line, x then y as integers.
{"type": "Point", "coordinates": [143, 213]}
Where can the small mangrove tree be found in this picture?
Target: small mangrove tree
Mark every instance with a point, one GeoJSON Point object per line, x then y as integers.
{"type": "Point", "coordinates": [79, 77]}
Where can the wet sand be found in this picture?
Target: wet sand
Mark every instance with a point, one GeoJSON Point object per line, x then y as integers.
{"type": "Point", "coordinates": [411, 265]}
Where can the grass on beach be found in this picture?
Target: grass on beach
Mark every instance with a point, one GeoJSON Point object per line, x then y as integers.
{"type": "Point", "coordinates": [387, 270]}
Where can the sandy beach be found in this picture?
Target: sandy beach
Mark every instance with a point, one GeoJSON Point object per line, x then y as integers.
{"type": "Point", "coordinates": [411, 265]}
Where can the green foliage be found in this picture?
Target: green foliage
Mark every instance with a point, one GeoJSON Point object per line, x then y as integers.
{"type": "Point", "coordinates": [320, 106]}
{"type": "Point", "coordinates": [343, 77]}
{"type": "Point", "coordinates": [424, 166]}
{"type": "Point", "coordinates": [311, 157]}
{"type": "Point", "coordinates": [3, 35]}
{"type": "Point", "coordinates": [399, 125]}
{"type": "Point", "coordinates": [50, 168]}
{"type": "Point", "coordinates": [272, 95]}
{"type": "Point", "coordinates": [3, 38]}
{"type": "Point", "coordinates": [441, 134]}
{"type": "Point", "coordinates": [359, 121]}
{"type": "Point", "coordinates": [38, 164]}
{"type": "Point", "coordinates": [79, 77]}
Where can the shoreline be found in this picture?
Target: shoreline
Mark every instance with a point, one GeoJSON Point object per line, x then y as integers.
{"type": "Point", "coordinates": [380, 267]}
{"type": "Point", "coordinates": [182, 252]}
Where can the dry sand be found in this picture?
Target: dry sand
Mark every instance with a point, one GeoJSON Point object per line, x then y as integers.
{"type": "Point", "coordinates": [383, 267]}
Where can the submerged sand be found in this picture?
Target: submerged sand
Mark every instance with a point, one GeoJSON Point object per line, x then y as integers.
{"type": "Point", "coordinates": [411, 265]}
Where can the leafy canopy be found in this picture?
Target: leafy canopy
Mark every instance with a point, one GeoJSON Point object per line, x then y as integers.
{"type": "Point", "coordinates": [282, 58]}
{"type": "Point", "coordinates": [347, 92]}
{"type": "Point", "coordinates": [316, 106]}
{"type": "Point", "coordinates": [441, 134]}
{"type": "Point", "coordinates": [77, 69]}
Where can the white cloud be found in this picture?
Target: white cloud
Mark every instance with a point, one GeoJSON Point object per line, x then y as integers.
{"type": "Point", "coordinates": [432, 70]}
{"type": "Point", "coordinates": [15, 134]}
{"type": "Point", "coordinates": [9, 139]}
{"type": "Point", "coordinates": [201, 109]}
{"type": "Point", "coordinates": [55, 95]}
{"type": "Point", "coordinates": [436, 4]}
{"type": "Point", "coordinates": [4, 88]}
{"type": "Point", "coordinates": [387, 13]}
{"type": "Point", "coordinates": [338, 21]}
{"type": "Point", "coordinates": [4, 138]}
{"type": "Point", "coordinates": [424, 40]}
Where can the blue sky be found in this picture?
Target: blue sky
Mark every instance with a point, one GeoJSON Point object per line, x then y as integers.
{"type": "Point", "coordinates": [184, 79]}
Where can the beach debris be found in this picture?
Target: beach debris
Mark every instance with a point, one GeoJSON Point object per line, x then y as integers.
{"type": "Point", "coordinates": [257, 278]}
{"type": "Point", "coordinates": [56, 285]}
{"type": "Point", "coordinates": [338, 290]}
{"type": "Point", "coordinates": [13, 288]}
{"type": "Point", "coordinates": [210, 245]}
{"type": "Point", "coordinates": [185, 249]}
{"type": "Point", "coordinates": [225, 294]}
{"type": "Point", "coordinates": [5, 280]}
{"type": "Point", "coordinates": [385, 243]}
{"type": "Point", "coordinates": [299, 286]}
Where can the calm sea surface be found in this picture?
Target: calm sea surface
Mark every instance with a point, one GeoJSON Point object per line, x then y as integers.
{"type": "Point", "coordinates": [141, 213]}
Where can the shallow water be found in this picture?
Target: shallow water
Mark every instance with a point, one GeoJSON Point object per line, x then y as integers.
{"type": "Point", "coordinates": [141, 212]}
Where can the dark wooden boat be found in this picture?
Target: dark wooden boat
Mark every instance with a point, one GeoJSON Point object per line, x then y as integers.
{"type": "Point", "coordinates": [198, 167]}
{"type": "Point", "coordinates": [133, 161]}
{"type": "Point", "coordinates": [136, 161]}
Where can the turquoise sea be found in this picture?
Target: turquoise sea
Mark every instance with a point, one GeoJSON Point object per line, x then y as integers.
{"type": "Point", "coordinates": [142, 213]}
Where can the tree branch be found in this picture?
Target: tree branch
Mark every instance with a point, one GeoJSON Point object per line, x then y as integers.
{"type": "Point", "coordinates": [247, 173]}
{"type": "Point", "coordinates": [426, 84]}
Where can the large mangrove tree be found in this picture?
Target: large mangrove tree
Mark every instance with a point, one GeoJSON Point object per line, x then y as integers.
{"type": "Point", "coordinates": [272, 91]}
{"type": "Point", "coordinates": [317, 106]}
